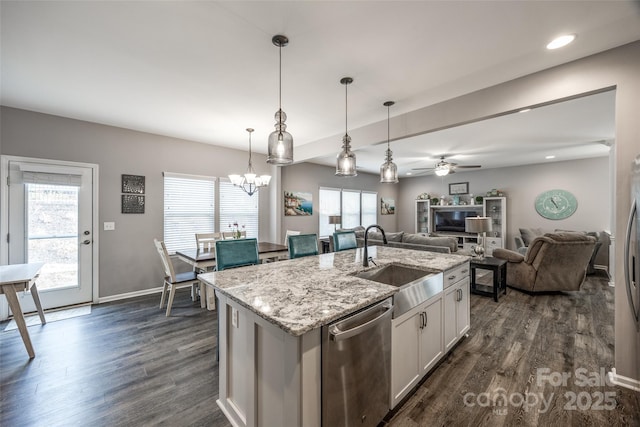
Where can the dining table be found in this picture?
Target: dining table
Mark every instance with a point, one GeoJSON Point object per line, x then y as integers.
{"type": "Point", "coordinates": [21, 277]}
{"type": "Point", "coordinates": [204, 259]}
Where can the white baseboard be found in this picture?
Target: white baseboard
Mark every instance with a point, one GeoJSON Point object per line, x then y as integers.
{"type": "Point", "coordinates": [130, 295]}
{"type": "Point", "coordinates": [623, 381]}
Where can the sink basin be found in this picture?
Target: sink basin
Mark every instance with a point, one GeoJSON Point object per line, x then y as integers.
{"type": "Point", "coordinates": [415, 284]}
{"type": "Point", "coordinates": [395, 274]}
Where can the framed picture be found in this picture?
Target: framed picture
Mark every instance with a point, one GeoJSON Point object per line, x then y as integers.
{"type": "Point", "coordinates": [298, 203]}
{"type": "Point", "coordinates": [387, 206]}
{"type": "Point", "coordinates": [133, 184]}
{"type": "Point", "coordinates": [459, 188]}
{"type": "Point", "coordinates": [132, 204]}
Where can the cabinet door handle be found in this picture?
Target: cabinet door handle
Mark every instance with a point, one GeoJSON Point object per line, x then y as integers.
{"type": "Point", "coordinates": [426, 319]}
{"type": "Point", "coordinates": [452, 277]}
{"type": "Point", "coordinates": [421, 320]}
{"type": "Point", "coordinates": [464, 271]}
{"type": "Point", "coordinates": [459, 295]}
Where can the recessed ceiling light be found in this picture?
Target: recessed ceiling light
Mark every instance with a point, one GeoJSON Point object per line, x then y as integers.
{"type": "Point", "coordinates": [408, 173]}
{"type": "Point", "coordinates": [561, 41]}
{"type": "Point", "coordinates": [550, 157]}
{"type": "Point", "coordinates": [524, 110]}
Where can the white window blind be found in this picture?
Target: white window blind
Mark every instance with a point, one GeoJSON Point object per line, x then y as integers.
{"type": "Point", "coordinates": [236, 206]}
{"type": "Point", "coordinates": [329, 205]}
{"type": "Point", "coordinates": [189, 208]}
{"type": "Point", "coordinates": [350, 208]}
{"type": "Point", "coordinates": [369, 208]}
{"type": "Point", "coordinates": [354, 206]}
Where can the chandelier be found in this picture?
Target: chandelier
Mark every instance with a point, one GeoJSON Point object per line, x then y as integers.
{"type": "Point", "coordinates": [250, 183]}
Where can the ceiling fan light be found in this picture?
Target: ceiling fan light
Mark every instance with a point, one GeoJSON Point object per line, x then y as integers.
{"type": "Point", "coordinates": [442, 170]}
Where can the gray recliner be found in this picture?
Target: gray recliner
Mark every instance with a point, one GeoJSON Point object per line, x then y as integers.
{"type": "Point", "coordinates": [553, 262]}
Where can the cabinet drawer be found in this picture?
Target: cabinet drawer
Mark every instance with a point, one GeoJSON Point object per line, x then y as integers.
{"type": "Point", "coordinates": [456, 274]}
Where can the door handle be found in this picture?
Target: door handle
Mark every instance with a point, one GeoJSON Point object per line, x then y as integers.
{"type": "Point", "coordinates": [86, 242]}
{"type": "Point", "coordinates": [627, 274]}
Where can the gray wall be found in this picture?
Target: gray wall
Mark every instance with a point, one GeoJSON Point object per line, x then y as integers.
{"type": "Point", "coordinates": [587, 179]}
{"type": "Point", "coordinates": [128, 260]}
{"type": "Point", "coordinates": [310, 177]}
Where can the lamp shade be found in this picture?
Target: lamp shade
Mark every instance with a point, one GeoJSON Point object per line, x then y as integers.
{"type": "Point", "coordinates": [478, 224]}
{"type": "Point", "coordinates": [335, 219]}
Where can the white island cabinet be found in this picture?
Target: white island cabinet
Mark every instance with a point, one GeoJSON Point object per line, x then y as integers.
{"type": "Point", "coordinates": [270, 320]}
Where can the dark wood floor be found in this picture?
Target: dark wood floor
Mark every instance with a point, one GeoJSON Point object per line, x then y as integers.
{"type": "Point", "coordinates": [126, 364]}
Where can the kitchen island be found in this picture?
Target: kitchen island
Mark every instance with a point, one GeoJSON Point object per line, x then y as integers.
{"type": "Point", "coordinates": [270, 317]}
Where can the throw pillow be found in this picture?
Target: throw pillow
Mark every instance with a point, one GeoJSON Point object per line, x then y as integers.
{"type": "Point", "coordinates": [528, 234]}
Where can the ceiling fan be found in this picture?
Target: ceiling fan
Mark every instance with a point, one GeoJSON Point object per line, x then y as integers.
{"type": "Point", "coordinates": [443, 167]}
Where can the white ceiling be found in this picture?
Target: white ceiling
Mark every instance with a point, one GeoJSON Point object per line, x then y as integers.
{"type": "Point", "coordinates": [205, 71]}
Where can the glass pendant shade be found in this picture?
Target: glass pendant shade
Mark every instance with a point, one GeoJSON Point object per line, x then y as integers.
{"type": "Point", "coordinates": [250, 182]}
{"type": "Point", "coordinates": [280, 148]}
{"type": "Point", "coordinates": [388, 170]}
{"type": "Point", "coordinates": [346, 159]}
{"type": "Point", "coordinates": [280, 142]}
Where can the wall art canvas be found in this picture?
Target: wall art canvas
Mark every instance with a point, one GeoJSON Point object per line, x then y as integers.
{"type": "Point", "coordinates": [132, 204]}
{"type": "Point", "coordinates": [387, 206]}
{"type": "Point", "coordinates": [133, 184]}
{"type": "Point", "coordinates": [298, 203]}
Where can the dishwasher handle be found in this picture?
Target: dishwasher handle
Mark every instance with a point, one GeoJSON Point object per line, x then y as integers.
{"type": "Point", "coordinates": [336, 334]}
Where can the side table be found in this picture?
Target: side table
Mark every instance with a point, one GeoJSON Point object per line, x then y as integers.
{"type": "Point", "coordinates": [499, 269]}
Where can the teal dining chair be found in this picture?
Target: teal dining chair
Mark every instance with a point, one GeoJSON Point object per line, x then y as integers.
{"type": "Point", "coordinates": [303, 245]}
{"type": "Point", "coordinates": [343, 240]}
{"type": "Point", "coordinates": [236, 253]}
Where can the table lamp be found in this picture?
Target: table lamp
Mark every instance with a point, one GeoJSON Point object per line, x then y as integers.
{"type": "Point", "coordinates": [335, 220]}
{"type": "Point", "coordinates": [480, 225]}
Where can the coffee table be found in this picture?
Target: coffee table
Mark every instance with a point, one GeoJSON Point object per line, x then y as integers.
{"type": "Point", "coordinates": [499, 269]}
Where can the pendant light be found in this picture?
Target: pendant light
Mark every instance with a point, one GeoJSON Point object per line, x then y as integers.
{"type": "Point", "coordinates": [280, 151]}
{"type": "Point", "coordinates": [389, 170]}
{"type": "Point", "coordinates": [346, 159]}
{"type": "Point", "coordinates": [249, 182]}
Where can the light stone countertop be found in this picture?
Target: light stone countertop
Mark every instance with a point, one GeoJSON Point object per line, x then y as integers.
{"type": "Point", "coordinates": [303, 294]}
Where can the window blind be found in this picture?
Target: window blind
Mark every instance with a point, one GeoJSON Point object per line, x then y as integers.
{"type": "Point", "coordinates": [369, 208]}
{"type": "Point", "coordinates": [350, 208]}
{"type": "Point", "coordinates": [189, 208]}
{"type": "Point", "coordinates": [236, 206]}
{"type": "Point", "coordinates": [329, 204]}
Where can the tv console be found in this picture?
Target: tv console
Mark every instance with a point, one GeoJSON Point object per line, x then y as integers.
{"type": "Point", "coordinates": [452, 225]}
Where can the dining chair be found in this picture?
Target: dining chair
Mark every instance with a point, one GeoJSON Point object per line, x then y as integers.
{"type": "Point", "coordinates": [343, 240]}
{"type": "Point", "coordinates": [236, 253]}
{"type": "Point", "coordinates": [290, 233]}
{"type": "Point", "coordinates": [303, 245]}
{"type": "Point", "coordinates": [173, 281]}
{"type": "Point", "coordinates": [228, 235]}
{"type": "Point", "coordinates": [207, 241]}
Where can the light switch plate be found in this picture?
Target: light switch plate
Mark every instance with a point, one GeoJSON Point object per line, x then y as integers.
{"type": "Point", "coordinates": [109, 226]}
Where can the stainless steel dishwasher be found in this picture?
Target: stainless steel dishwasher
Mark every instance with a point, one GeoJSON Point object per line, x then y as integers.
{"type": "Point", "coordinates": [356, 364]}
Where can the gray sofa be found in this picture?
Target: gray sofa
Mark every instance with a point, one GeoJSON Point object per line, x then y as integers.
{"type": "Point", "coordinates": [401, 239]}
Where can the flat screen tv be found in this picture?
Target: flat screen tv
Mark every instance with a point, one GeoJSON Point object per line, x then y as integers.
{"type": "Point", "coordinates": [451, 220]}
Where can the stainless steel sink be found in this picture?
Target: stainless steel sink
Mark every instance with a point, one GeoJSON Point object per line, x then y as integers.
{"type": "Point", "coordinates": [416, 284]}
{"type": "Point", "coordinates": [394, 274]}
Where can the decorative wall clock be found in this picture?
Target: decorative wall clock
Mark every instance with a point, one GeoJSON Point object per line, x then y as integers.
{"type": "Point", "coordinates": [556, 204]}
